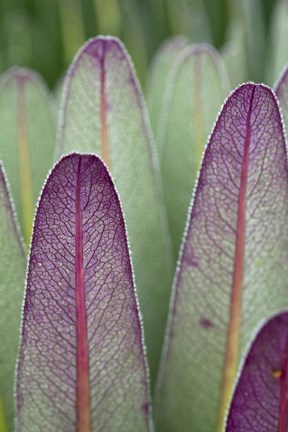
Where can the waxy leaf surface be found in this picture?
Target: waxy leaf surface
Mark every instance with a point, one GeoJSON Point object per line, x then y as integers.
{"type": "Point", "coordinates": [278, 51]}
{"type": "Point", "coordinates": [81, 365]}
{"type": "Point", "coordinates": [103, 112]}
{"type": "Point", "coordinates": [160, 69]}
{"type": "Point", "coordinates": [12, 275]}
{"type": "Point", "coordinates": [195, 91]}
{"type": "Point", "coordinates": [233, 269]}
{"type": "Point", "coordinates": [234, 54]}
{"type": "Point", "coordinates": [260, 401]}
{"type": "Point", "coordinates": [281, 90]}
{"type": "Point", "coordinates": [252, 16]}
{"type": "Point", "coordinates": [27, 139]}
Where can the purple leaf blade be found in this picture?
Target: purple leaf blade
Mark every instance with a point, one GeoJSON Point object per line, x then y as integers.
{"type": "Point", "coordinates": [260, 401]}
{"type": "Point", "coordinates": [233, 269]}
{"type": "Point", "coordinates": [81, 366]}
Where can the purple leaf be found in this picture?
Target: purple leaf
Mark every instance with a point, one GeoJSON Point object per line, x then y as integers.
{"type": "Point", "coordinates": [82, 366]}
{"type": "Point", "coordinates": [233, 269]}
{"type": "Point", "coordinates": [260, 402]}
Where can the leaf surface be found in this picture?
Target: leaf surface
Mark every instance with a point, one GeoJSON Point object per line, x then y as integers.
{"type": "Point", "coordinates": [81, 366]}
{"type": "Point", "coordinates": [158, 75]}
{"type": "Point", "coordinates": [103, 112]}
{"type": "Point", "coordinates": [278, 51]}
{"type": "Point", "coordinates": [233, 269]}
{"type": "Point", "coordinates": [234, 53]}
{"type": "Point", "coordinates": [12, 274]}
{"type": "Point", "coordinates": [260, 402]}
{"type": "Point", "coordinates": [252, 16]}
{"type": "Point", "coordinates": [281, 90]}
{"type": "Point", "coordinates": [27, 139]}
{"type": "Point", "coordinates": [195, 91]}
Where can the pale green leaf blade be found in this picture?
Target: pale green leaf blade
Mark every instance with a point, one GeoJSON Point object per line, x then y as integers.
{"type": "Point", "coordinates": [103, 112]}
{"type": "Point", "coordinates": [281, 90]}
{"type": "Point", "coordinates": [3, 423]}
{"type": "Point", "coordinates": [27, 139]}
{"type": "Point", "coordinates": [12, 274]}
{"type": "Point", "coordinates": [278, 56]}
{"type": "Point", "coordinates": [255, 37]}
{"type": "Point", "coordinates": [196, 89]}
{"type": "Point", "coordinates": [160, 69]}
{"type": "Point", "coordinates": [234, 54]}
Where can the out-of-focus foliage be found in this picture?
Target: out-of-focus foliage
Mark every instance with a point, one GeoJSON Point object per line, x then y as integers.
{"type": "Point", "coordinates": [44, 35]}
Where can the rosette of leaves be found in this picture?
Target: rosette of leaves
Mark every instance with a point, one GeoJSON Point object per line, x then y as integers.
{"type": "Point", "coordinates": [82, 363]}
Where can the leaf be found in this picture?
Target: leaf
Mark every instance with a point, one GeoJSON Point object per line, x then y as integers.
{"type": "Point", "coordinates": [278, 53]}
{"type": "Point", "coordinates": [256, 42]}
{"type": "Point", "coordinates": [260, 401]}
{"type": "Point", "coordinates": [3, 424]}
{"type": "Point", "coordinates": [27, 139]}
{"type": "Point", "coordinates": [103, 112]}
{"type": "Point", "coordinates": [234, 53]}
{"type": "Point", "coordinates": [58, 90]}
{"type": "Point", "coordinates": [233, 269]}
{"type": "Point", "coordinates": [81, 366]}
{"type": "Point", "coordinates": [195, 91]}
{"type": "Point", "coordinates": [281, 90]}
{"type": "Point", "coordinates": [158, 75]}
{"type": "Point", "coordinates": [12, 273]}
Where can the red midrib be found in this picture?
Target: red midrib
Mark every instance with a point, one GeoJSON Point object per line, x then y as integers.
{"type": "Point", "coordinates": [283, 412]}
{"type": "Point", "coordinates": [83, 390]}
{"type": "Point", "coordinates": [233, 335]}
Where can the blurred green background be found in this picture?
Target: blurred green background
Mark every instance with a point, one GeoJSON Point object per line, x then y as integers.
{"type": "Point", "coordinates": [45, 34]}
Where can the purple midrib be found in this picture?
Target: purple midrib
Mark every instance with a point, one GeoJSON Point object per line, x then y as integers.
{"type": "Point", "coordinates": [83, 388]}
{"type": "Point", "coordinates": [233, 334]}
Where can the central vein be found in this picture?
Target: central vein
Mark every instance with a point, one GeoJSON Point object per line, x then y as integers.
{"type": "Point", "coordinates": [24, 165]}
{"type": "Point", "coordinates": [233, 332]}
{"type": "Point", "coordinates": [199, 126]}
{"type": "Point", "coordinates": [3, 427]}
{"type": "Point", "coordinates": [83, 389]}
{"type": "Point", "coordinates": [103, 116]}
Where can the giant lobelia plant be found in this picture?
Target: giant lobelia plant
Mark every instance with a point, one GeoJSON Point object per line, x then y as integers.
{"type": "Point", "coordinates": [82, 355]}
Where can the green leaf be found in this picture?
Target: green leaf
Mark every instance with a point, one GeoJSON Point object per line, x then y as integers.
{"type": "Point", "coordinates": [278, 54]}
{"type": "Point", "coordinates": [255, 37]}
{"type": "Point", "coordinates": [27, 139]}
{"type": "Point", "coordinates": [12, 273]}
{"type": "Point", "coordinates": [58, 90]}
{"type": "Point", "coordinates": [160, 69]}
{"type": "Point", "coordinates": [234, 54]}
{"type": "Point", "coordinates": [281, 90]}
{"type": "Point", "coordinates": [3, 424]}
{"type": "Point", "coordinates": [196, 88]}
{"type": "Point", "coordinates": [103, 112]}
